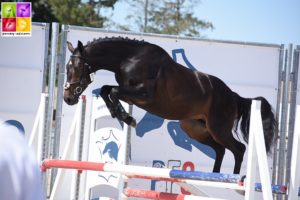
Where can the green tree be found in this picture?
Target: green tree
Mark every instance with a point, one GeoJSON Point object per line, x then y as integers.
{"type": "Point", "coordinates": [74, 12]}
{"type": "Point", "coordinates": [42, 11]}
{"type": "Point", "coordinates": [167, 17]}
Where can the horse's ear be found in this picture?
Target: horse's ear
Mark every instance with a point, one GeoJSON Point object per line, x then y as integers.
{"type": "Point", "coordinates": [70, 47]}
{"type": "Point", "coordinates": [80, 46]}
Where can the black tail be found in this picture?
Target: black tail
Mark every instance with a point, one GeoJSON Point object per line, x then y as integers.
{"type": "Point", "coordinates": [268, 119]}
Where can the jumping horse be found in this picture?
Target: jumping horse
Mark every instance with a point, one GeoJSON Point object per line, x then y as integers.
{"type": "Point", "coordinates": [207, 109]}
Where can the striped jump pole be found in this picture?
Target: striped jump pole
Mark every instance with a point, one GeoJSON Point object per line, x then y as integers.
{"type": "Point", "coordinates": [234, 186]}
{"type": "Point", "coordinates": [219, 180]}
{"type": "Point", "coordinates": [149, 194]}
{"type": "Point", "coordinates": [131, 170]}
{"type": "Point", "coordinates": [277, 189]}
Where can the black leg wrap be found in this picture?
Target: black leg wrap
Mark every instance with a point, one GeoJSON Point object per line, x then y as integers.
{"type": "Point", "coordinates": [113, 111]}
{"type": "Point", "coordinates": [122, 115]}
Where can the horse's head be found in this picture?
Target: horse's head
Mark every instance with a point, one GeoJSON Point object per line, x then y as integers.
{"type": "Point", "coordinates": [78, 74]}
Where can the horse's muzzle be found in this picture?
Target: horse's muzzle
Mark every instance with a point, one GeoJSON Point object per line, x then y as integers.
{"type": "Point", "coordinates": [71, 100]}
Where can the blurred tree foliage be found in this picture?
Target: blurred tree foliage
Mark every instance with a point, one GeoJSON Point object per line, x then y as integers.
{"type": "Point", "coordinates": [166, 17]}
{"type": "Point", "coordinates": [74, 12]}
{"type": "Point", "coordinates": [155, 16]}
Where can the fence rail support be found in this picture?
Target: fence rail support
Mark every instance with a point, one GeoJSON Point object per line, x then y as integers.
{"type": "Point", "coordinates": [295, 161]}
{"type": "Point", "coordinates": [232, 181]}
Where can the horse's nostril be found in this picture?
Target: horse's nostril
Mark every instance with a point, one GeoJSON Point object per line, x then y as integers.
{"type": "Point", "coordinates": [67, 100]}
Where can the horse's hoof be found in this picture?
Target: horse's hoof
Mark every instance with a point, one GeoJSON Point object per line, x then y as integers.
{"type": "Point", "coordinates": [242, 182]}
{"type": "Point", "coordinates": [130, 121]}
{"type": "Point", "coordinates": [243, 179]}
{"type": "Point", "coordinates": [133, 123]}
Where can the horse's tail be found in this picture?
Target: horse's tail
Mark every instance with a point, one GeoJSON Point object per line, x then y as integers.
{"type": "Point", "coordinates": [268, 119]}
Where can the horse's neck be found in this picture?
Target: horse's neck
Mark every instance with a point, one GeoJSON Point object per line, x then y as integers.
{"type": "Point", "coordinates": [110, 59]}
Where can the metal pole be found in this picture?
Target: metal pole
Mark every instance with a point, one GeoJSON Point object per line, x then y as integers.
{"type": "Point", "coordinates": [283, 124]}
{"type": "Point", "coordinates": [59, 99]}
{"type": "Point", "coordinates": [49, 109]}
{"type": "Point", "coordinates": [292, 110]}
{"type": "Point", "coordinates": [278, 111]}
{"type": "Point", "coordinates": [52, 78]}
{"type": "Point", "coordinates": [51, 85]}
{"type": "Point", "coordinates": [78, 144]}
{"type": "Point", "coordinates": [81, 142]}
{"type": "Point", "coordinates": [46, 57]}
{"type": "Point", "coordinates": [60, 81]}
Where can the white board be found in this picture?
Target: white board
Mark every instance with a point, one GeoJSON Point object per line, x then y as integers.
{"type": "Point", "coordinates": [21, 76]}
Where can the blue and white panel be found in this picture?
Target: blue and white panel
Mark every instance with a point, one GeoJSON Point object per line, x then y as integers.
{"type": "Point", "coordinates": [107, 144]}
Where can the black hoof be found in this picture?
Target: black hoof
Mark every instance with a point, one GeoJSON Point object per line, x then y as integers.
{"type": "Point", "coordinates": [243, 179]}
{"type": "Point", "coordinates": [130, 121]}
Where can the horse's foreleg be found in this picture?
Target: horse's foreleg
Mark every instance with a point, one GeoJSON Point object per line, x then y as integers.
{"type": "Point", "coordinates": [130, 94]}
{"type": "Point", "coordinates": [114, 106]}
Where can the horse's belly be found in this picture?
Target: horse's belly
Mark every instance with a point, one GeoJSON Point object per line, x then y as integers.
{"type": "Point", "coordinates": [173, 111]}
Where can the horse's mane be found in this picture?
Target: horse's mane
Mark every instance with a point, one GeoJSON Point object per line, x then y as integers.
{"type": "Point", "coordinates": [115, 39]}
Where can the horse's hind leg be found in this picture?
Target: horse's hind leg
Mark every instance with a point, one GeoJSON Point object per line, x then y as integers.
{"type": "Point", "coordinates": [220, 123]}
{"type": "Point", "coordinates": [197, 130]}
{"type": "Point", "coordinates": [220, 151]}
{"type": "Point", "coordinates": [237, 148]}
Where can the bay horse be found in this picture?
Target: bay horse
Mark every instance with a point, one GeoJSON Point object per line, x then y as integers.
{"type": "Point", "coordinates": [207, 109]}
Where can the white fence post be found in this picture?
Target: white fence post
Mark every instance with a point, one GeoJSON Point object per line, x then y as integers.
{"type": "Point", "coordinates": [252, 159]}
{"type": "Point", "coordinates": [36, 139]}
{"type": "Point", "coordinates": [257, 156]}
{"type": "Point", "coordinates": [295, 162]}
